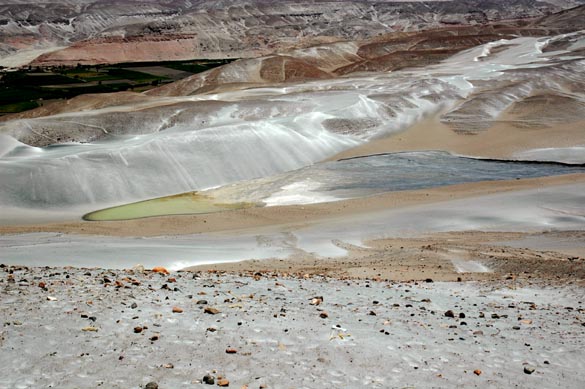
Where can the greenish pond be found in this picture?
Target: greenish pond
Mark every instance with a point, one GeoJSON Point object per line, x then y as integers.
{"type": "Point", "coordinates": [185, 203]}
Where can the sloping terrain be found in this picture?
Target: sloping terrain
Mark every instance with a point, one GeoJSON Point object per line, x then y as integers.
{"type": "Point", "coordinates": [511, 86]}
{"type": "Point", "coordinates": [92, 31]}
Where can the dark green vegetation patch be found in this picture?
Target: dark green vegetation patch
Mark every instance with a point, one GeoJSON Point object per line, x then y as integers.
{"type": "Point", "coordinates": [30, 87]}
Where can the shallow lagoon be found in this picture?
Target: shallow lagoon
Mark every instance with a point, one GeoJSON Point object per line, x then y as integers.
{"type": "Point", "coordinates": [338, 180]}
{"type": "Point", "coordinates": [186, 203]}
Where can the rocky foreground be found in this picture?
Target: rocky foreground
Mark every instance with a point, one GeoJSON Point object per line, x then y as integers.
{"type": "Point", "coordinates": [68, 327]}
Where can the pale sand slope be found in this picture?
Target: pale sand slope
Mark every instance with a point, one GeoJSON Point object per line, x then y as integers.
{"type": "Point", "coordinates": [288, 217]}
{"type": "Point", "coordinates": [502, 141]}
{"type": "Point", "coordinates": [386, 262]}
{"type": "Point", "coordinates": [318, 241]}
{"type": "Point", "coordinates": [24, 57]}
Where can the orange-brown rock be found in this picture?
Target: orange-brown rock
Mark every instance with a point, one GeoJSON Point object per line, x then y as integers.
{"type": "Point", "coordinates": [160, 269]}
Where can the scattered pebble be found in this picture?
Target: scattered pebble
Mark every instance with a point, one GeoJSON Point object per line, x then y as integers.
{"type": "Point", "coordinates": [208, 379]}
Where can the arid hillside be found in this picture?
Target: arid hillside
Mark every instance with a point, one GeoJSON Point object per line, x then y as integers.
{"type": "Point", "coordinates": [65, 32]}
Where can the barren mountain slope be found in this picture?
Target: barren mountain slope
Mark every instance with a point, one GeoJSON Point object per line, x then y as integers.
{"type": "Point", "coordinates": [117, 31]}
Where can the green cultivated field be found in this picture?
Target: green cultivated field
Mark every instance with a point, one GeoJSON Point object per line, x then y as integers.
{"type": "Point", "coordinates": [26, 88]}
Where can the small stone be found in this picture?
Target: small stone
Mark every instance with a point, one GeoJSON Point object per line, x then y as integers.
{"type": "Point", "coordinates": [223, 382]}
{"type": "Point", "coordinates": [323, 315]}
{"type": "Point", "coordinates": [89, 329]}
{"type": "Point", "coordinates": [151, 385]}
{"type": "Point", "coordinates": [461, 315]}
{"type": "Point", "coordinates": [134, 306]}
{"type": "Point", "coordinates": [169, 366]}
{"type": "Point", "coordinates": [528, 369]}
{"type": "Point", "coordinates": [208, 379]}
{"type": "Point", "coordinates": [477, 372]}
{"type": "Point", "coordinates": [171, 280]}
{"type": "Point", "coordinates": [138, 330]}
{"type": "Point", "coordinates": [177, 310]}
{"type": "Point", "coordinates": [449, 313]}
{"type": "Point", "coordinates": [42, 285]}
{"type": "Point", "coordinates": [154, 337]}
{"type": "Point", "coordinates": [316, 300]}
{"type": "Point", "coordinates": [429, 280]}
{"type": "Point", "coordinates": [201, 302]}
{"type": "Point", "coordinates": [231, 350]}
{"type": "Point", "coordinates": [372, 313]}
{"type": "Point", "coordinates": [160, 269]}
{"type": "Point", "coordinates": [51, 298]}
{"type": "Point", "coordinates": [211, 311]}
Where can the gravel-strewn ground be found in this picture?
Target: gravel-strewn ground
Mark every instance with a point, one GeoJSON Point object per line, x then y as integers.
{"type": "Point", "coordinates": [76, 328]}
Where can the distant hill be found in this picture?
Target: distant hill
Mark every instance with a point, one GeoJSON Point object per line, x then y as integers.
{"type": "Point", "coordinates": [92, 31]}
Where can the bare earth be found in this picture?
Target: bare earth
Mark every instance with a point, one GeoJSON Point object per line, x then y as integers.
{"type": "Point", "coordinates": [379, 317]}
{"type": "Point", "coordinates": [127, 329]}
{"type": "Point", "coordinates": [444, 256]}
{"type": "Point", "coordinates": [502, 141]}
{"type": "Point", "coordinates": [465, 256]}
{"type": "Point", "coordinates": [260, 219]}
